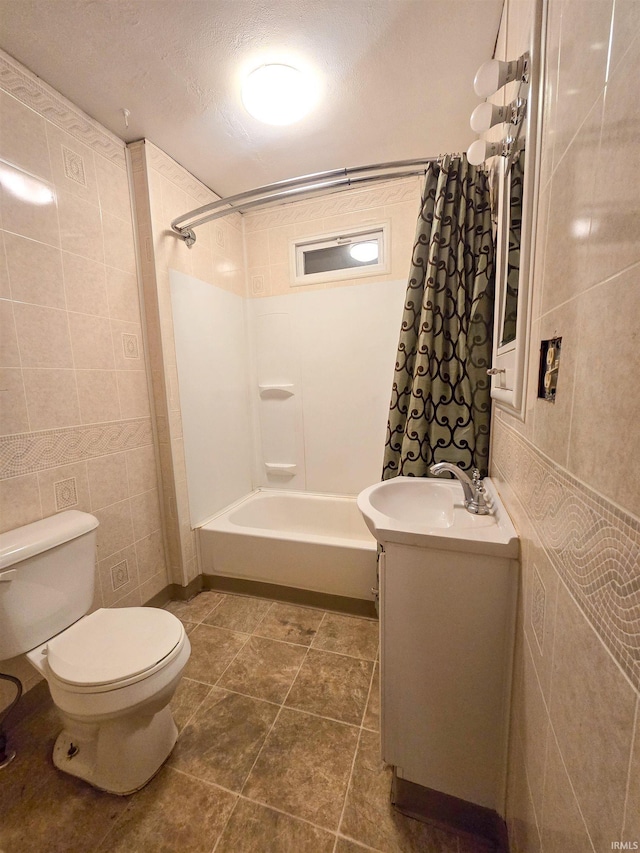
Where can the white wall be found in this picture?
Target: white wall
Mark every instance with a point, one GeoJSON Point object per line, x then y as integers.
{"type": "Point", "coordinates": [211, 352]}
{"type": "Point", "coordinates": [340, 348]}
{"type": "Point", "coordinates": [336, 349]}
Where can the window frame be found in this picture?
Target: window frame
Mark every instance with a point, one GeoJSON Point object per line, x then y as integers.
{"type": "Point", "coordinates": [380, 231]}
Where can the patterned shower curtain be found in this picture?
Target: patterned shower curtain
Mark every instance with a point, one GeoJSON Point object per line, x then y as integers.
{"type": "Point", "coordinates": [440, 401]}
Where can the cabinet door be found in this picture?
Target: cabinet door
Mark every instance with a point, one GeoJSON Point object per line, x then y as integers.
{"type": "Point", "coordinates": [446, 636]}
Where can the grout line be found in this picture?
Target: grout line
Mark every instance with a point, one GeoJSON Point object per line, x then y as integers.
{"type": "Point", "coordinates": [631, 751]}
{"type": "Point", "coordinates": [261, 620]}
{"type": "Point", "coordinates": [248, 637]}
{"type": "Point", "coordinates": [277, 717]}
{"type": "Point", "coordinates": [575, 796]}
{"type": "Point", "coordinates": [198, 706]}
{"type": "Point", "coordinates": [366, 704]}
{"type": "Point", "coordinates": [357, 842]}
{"type": "Point", "coordinates": [288, 814]}
{"type": "Point", "coordinates": [226, 823]}
{"type": "Point", "coordinates": [339, 654]}
{"type": "Point", "coordinates": [360, 728]}
{"type": "Point", "coordinates": [348, 787]}
{"type": "Point", "coordinates": [536, 819]}
{"type": "Point", "coordinates": [246, 799]}
{"type": "Point", "coordinates": [313, 714]}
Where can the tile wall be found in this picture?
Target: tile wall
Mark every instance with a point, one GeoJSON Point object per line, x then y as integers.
{"type": "Point", "coordinates": [568, 472]}
{"type": "Point", "coordinates": [268, 233]}
{"type": "Point", "coordinates": [163, 191]}
{"type": "Point", "coordinates": [75, 426]}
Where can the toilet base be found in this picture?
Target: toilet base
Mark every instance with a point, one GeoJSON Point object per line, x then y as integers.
{"type": "Point", "coordinates": [118, 756]}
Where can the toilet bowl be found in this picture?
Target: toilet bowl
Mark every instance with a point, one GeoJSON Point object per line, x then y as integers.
{"type": "Point", "coordinates": [111, 676]}
{"type": "Point", "coordinates": [111, 673]}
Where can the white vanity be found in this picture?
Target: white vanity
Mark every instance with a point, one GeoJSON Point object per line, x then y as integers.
{"type": "Point", "coordinates": [448, 585]}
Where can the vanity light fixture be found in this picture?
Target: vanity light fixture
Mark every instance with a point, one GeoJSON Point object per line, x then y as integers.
{"type": "Point", "coordinates": [279, 94]}
{"type": "Point", "coordinates": [494, 74]}
{"type": "Point", "coordinates": [490, 77]}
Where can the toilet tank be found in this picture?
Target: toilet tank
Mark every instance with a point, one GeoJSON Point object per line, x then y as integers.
{"type": "Point", "coordinates": [46, 579]}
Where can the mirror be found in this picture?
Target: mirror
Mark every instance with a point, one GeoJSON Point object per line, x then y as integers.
{"type": "Point", "coordinates": [517, 186]}
{"type": "Point", "coordinates": [514, 186]}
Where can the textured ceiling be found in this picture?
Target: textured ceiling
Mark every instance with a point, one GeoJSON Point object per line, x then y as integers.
{"type": "Point", "coordinates": [396, 76]}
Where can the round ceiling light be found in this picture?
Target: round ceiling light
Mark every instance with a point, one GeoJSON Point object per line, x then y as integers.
{"type": "Point", "coordinates": [278, 94]}
{"type": "Point", "coordinates": [364, 252]}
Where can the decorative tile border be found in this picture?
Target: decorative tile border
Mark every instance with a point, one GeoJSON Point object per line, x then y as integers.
{"type": "Point", "coordinates": [593, 545]}
{"type": "Point", "coordinates": [178, 175]}
{"type": "Point", "coordinates": [19, 82]}
{"type": "Point", "coordinates": [36, 451]}
{"type": "Point", "coordinates": [349, 201]}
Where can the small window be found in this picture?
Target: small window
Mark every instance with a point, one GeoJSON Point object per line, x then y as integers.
{"type": "Point", "coordinates": [331, 257]}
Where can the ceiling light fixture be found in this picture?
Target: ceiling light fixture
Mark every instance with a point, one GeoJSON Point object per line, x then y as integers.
{"type": "Point", "coordinates": [278, 94]}
{"type": "Point", "coordinates": [364, 252]}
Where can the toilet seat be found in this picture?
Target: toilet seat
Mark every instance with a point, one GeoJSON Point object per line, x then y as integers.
{"type": "Point", "coordinates": [112, 648]}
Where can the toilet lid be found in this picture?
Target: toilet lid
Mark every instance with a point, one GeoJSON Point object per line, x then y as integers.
{"type": "Point", "coordinates": [113, 645]}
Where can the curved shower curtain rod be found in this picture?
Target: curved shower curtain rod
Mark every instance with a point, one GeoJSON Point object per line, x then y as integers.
{"type": "Point", "coordinates": [295, 189]}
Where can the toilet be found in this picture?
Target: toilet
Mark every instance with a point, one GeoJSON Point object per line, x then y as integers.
{"type": "Point", "coordinates": [111, 673]}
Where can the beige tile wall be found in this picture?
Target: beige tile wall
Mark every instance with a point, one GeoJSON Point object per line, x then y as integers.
{"type": "Point", "coordinates": [75, 428]}
{"type": "Point", "coordinates": [164, 191]}
{"type": "Point", "coordinates": [268, 234]}
{"type": "Point", "coordinates": [569, 473]}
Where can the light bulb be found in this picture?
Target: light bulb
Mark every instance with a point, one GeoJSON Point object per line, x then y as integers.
{"type": "Point", "coordinates": [480, 150]}
{"type": "Point", "coordinates": [494, 74]}
{"type": "Point", "coordinates": [278, 94]}
{"type": "Point", "coordinates": [486, 115]}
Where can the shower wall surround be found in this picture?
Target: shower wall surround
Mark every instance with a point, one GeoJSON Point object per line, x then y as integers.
{"type": "Point", "coordinates": [318, 360]}
{"type": "Point", "coordinates": [569, 473]}
{"type": "Point", "coordinates": [75, 426]}
{"type": "Point", "coordinates": [213, 369]}
{"type": "Point", "coordinates": [335, 342]}
{"type": "Point", "coordinates": [341, 350]}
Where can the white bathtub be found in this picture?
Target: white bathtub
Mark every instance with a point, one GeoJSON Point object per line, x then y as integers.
{"type": "Point", "coordinates": [294, 539]}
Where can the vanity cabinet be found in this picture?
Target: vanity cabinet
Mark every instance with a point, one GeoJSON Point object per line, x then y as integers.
{"type": "Point", "coordinates": [447, 630]}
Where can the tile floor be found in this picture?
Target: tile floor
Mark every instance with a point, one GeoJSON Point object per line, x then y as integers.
{"type": "Point", "coordinates": [278, 751]}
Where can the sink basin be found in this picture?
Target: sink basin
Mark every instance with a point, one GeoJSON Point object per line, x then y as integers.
{"type": "Point", "coordinates": [428, 512]}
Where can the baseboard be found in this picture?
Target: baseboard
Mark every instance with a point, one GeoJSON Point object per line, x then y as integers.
{"type": "Point", "coordinates": [175, 592]}
{"type": "Point", "coordinates": [447, 812]}
{"type": "Point", "coordinates": [291, 595]}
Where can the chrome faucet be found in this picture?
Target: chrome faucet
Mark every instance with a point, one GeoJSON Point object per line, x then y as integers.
{"type": "Point", "coordinates": [475, 499]}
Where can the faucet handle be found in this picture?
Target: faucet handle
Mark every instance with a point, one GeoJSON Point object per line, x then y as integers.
{"type": "Point", "coordinates": [475, 477]}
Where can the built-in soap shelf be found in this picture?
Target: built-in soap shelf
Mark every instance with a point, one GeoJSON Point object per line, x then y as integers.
{"type": "Point", "coordinates": [281, 469]}
{"type": "Point", "coordinates": [284, 389]}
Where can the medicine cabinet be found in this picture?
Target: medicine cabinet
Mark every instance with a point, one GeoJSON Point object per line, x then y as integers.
{"type": "Point", "coordinates": [517, 182]}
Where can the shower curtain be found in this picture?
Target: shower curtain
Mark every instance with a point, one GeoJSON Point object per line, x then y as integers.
{"type": "Point", "coordinates": [440, 402]}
